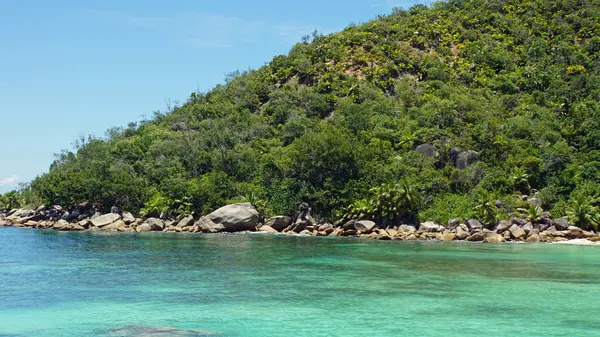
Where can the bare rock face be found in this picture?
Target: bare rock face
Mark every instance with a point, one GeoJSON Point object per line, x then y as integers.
{"type": "Point", "coordinates": [106, 219]}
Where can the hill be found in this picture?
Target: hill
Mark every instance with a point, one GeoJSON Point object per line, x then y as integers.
{"type": "Point", "coordinates": [463, 109]}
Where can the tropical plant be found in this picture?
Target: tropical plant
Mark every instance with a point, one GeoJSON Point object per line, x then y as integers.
{"type": "Point", "coordinates": [486, 209]}
{"type": "Point", "coordinates": [582, 213]}
{"type": "Point", "coordinates": [520, 180]}
{"type": "Point", "coordinates": [534, 214]}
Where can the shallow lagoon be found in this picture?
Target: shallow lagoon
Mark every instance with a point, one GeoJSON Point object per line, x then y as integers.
{"type": "Point", "coordinates": [86, 284]}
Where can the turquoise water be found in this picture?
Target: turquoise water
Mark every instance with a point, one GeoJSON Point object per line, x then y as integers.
{"type": "Point", "coordinates": [85, 284]}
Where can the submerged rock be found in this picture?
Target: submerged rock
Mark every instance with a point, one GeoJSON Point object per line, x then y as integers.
{"type": "Point", "coordinates": [147, 331]}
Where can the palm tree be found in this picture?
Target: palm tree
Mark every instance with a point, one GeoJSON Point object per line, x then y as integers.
{"type": "Point", "coordinates": [534, 214]}
{"type": "Point", "coordinates": [583, 214]}
{"type": "Point", "coordinates": [487, 210]}
{"type": "Point", "coordinates": [520, 180]}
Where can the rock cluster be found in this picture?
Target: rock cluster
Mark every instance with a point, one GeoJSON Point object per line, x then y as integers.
{"type": "Point", "coordinates": [244, 218]}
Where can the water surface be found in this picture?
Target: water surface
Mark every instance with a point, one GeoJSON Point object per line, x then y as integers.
{"type": "Point", "coordinates": [152, 284]}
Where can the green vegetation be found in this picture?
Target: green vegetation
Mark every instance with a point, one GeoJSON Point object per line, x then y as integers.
{"type": "Point", "coordinates": [516, 81]}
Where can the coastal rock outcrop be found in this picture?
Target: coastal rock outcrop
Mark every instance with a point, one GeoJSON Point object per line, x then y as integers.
{"type": "Point", "coordinates": [230, 218]}
{"type": "Point", "coordinates": [106, 219]}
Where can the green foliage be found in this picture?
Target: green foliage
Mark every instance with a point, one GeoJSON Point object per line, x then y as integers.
{"type": "Point", "coordinates": [518, 82]}
{"type": "Point", "coordinates": [583, 213]}
{"type": "Point", "coordinates": [10, 200]}
{"type": "Point", "coordinates": [486, 209]}
{"type": "Point", "coordinates": [386, 204]}
{"type": "Point", "coordinates": [160, 206]}
{"type": "Point", "coordinates": [534, 214]}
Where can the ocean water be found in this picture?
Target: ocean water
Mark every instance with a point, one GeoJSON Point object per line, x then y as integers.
{"type": "Point", "coordinates": [86, 284]}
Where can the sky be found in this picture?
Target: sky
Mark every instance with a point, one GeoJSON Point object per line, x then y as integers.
{"type": "Point", "coordinates": [71, 68]}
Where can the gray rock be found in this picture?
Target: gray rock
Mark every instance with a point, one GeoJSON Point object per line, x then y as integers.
{"type": "Point", "coordinates": [235, 217]}
{"type": "Point", "coordinates": [535, 238]}
{"type": "Point", "coordinates": [493, 238]}
{"type": "Point", "coordinates": [364, 226]}
{"type": "Point", "coordinates": [518, 221]}
{"type": "Point", "coordinates": [188, 221]}
{"type": "Point", "coordinates": [528, 227]}
{"type": "Point", "coordinates": [574, 232]}
{"type": "Point", "coordinates": [268, 229]}
{"type": "Point", "coordinates": [474, 224]}
{"type": "Point", "coordinates": [517, 232]}
{"type": "Point", "coordinates": [406, 229]}
{"type": "Point", "coordinates": [105, 220]}
{"type": "Point", "coordinates": [156, 224]}
{"type": "Point", "coordinates": [128, 218]}
{"type": "Point", "coordinates": [466, 159]}
{"type": "Point", "coordinates": [561, 224]}
{"type": "Point", "coordinates": [461, 233]}
{"type": "Point", "coordinates": [427, 150]}
{"type": "Point", "coordinates": [477, 236]}
{"type": "Point", "coordinates": [453, 223]}
{"type": "Point", "coordinates": [502, 226]}
{"type": "Point", "coordinates": [143, 228]}
{"type": "Point", "coordinates": [206, 225]}
{"type": "Point", "coordinates": [431, 227]}
{"type": "Point", "coordinates": [279, 223]}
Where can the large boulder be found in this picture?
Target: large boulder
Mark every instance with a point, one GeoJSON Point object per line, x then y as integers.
{"type": "Point", "coordinates": [231, 218]}
{"type": "Point", "coordinates": [493, 238]}
{"type": "Point", "coordinates": [502, 226]}
{"type": "Point", "coordinates": [431, 227]}
{"type": "Point", "coordinates": [462, 232]}
{"type": "Point", "coordinates": [574, 232]}
{"type": "Point", "coordinates": [406, 230]}
{"type": "Point", "coordinates": [561, 224]}
{"type": "Point", "coordinates": [364, 226]}
{"type": "Point", "coordinates": [427, 150]}
{"type": "Point", "coordinates": [143, 228]}
{"type": "Point", "coordinates": [128, 218]}
{"type": "Point", "coordinates": [477, 236]}
{"type": "Point", "coordinates": [156, 224]}
{"type": "Point", "coordinates": [106, 219]}
{"type": "Point", "coordinates": [517, 232]}
{"type": "Point", "coordinates": [188, 221]}
{"type": "Point", "coordinates": [518, 221]}
{"type": "Point", "coordinates": [466, 159]}
{"type": "Point", "coordinates": [268, 229]}
{"type": "Point", "coordinates": [279, 223]}
{"type": "Point", "coordinates": [474, 224]}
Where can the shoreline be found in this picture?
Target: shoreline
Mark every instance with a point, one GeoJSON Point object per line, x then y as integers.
{"type": "Point", "coordinates": [244, 219]}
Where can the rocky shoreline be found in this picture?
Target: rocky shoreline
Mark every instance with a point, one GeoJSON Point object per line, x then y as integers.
{"type": "Point", "coordinates": [243, 218]}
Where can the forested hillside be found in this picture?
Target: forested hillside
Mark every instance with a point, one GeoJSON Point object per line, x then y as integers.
{"type": "Point", "coordinates": [507, 93]}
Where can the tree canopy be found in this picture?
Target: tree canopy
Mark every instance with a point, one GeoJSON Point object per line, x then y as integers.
{"type": "Point", "coordinates": [341, 115]}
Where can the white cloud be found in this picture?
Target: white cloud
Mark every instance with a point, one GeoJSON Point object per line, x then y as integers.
{"type": "Point", "coordinates": [9, 180]}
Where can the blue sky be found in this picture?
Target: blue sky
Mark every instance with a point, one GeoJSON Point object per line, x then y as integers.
{"type": "Point", "coordinates": [78, 67]}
